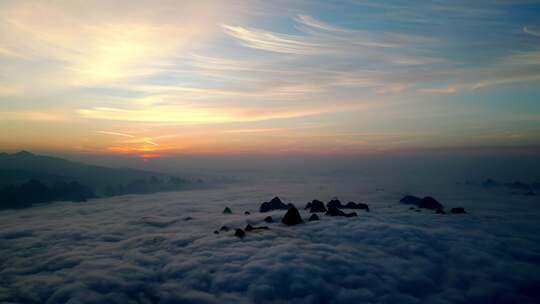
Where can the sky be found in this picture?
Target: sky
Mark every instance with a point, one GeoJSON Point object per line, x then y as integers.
{"type": "Point", "coordinates": [150, 79]}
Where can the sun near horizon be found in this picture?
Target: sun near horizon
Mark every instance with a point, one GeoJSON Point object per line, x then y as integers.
{"type": "Point", "coordinates": [225, 77]}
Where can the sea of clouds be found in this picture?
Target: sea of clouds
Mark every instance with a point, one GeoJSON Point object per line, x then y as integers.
{"type": "Point", "coordinates": [142, 249]}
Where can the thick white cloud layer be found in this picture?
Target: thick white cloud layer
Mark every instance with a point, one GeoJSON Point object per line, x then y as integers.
{"type": "Point", "coordinates": [140, 249]}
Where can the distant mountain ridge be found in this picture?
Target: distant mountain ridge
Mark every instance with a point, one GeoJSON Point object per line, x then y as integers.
{"type": "Point", "coordinates": [22, 166]}
{"type": "Point", "coordinates": [26, 179]}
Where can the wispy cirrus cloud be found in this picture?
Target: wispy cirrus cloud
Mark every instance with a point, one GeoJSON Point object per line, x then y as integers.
{"type": "Point", "coordinates": [90, 48]}
{"type": "Point", "coordinates": [115, 134]}
{"type": "Point", "coordinates": [269, 41]}
{"type": "Point", "coordinates": [317, 24]}
{"type": "Point", "coordinates": [186, 114]}
{"type": "Point", "coordinates": [252, 66]}
{"type": "Point", "coordinates": [531, 31]}
{"type": "Point", "coordinates": [35, 116]}
{"type": "Point", "coordinates": [144, 146]}
{"type": "Point", "coordinates": [9, 90]}
{"type": "Point", "coordinates": [526, 58]}
{"type": "Point", "coordinates": [444, 90]}
{"type": "Point", "coordinates": [320, 38]}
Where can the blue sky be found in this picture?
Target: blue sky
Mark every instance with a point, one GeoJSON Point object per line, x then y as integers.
{"type": "Point", "coordinates": [175, 77]}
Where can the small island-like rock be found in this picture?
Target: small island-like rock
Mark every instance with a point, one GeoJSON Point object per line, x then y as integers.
{"type": "Point", "coordinates": [490, 183]}
{"type": "Point", "coordinates": [334, 203]}
{"type": "Point", "coordinates": [227, 210]}
{"type": "Point", "coordinates": [317, 206]}
{"type": "Point", "coordinates": [313, 217]}
{"type": "Point", "coordinates": [410, 200]}
{"type": "Point", "coordinates": [334, 211]}
{"type": "Point", "coordinates": [252, 228]}
{"type": "Point", "coordinates": [353, 205]}
{"type": "Point", "coordinates": [239, 233]}
{"type": "Point", "coordinates": [458, 210]}
{"type": "Point", "coordinates": [429, 202]}
{"type": "Point", "coordinates": [518, 186]}
{"type": "Point", "coordinates": [292, 217]}
{"type": "Point", "coordinates": [274, 204]}
{"type": "Point", "coordinates": [269, 219]}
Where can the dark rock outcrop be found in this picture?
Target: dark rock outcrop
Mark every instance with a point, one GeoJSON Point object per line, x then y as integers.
{"type": "Point", "coordinates": [458, 210]}
{"type": "Point", "coordinates": [247, 213]}
{"type": "Point", "coordinates": [350, 205]}
{"type": "Point", "coordinates": [334, 203]}
{"type": "Point", "coordinates": [227, 210]}
{"type": "Point", "coordinates": [410, 200]}
{"type": "Point", "coordinates": [313, 217]}
{"type": "Point", "coordinates": [429, 202]}
{"type": "Point", "coordinates": [188, 218]}
{"type": "Point", "coordinates": [518, 185]}
{"type": "Point", "coordinates": [34, 192]}
{"type": "Point", "coordinates": [252, 228]}
{"type": "Point", "coordinates": [269, 219]}
{"type": "Point", "coordinates": [317, 206]}
{"type": "Point", "coordinates": [308, 206]}
{"type": "Point", "coordinates": [274, 204]}
{"type": "Point", "coordinates": [490, 183]}
{"type": "Point", "coordinates": [239, 233]}
{"type": "Point", "coordinates": [440, 211]}
{"type": "Point", "coordinates": [216, 232]}
{"type": "Point", "coordinates": [224, 228]}
{"type": "Point", "coordinates": [353, 205]}
{"type": "Point", "coordinates": [334, 211]}
{"type": "Point", "coordinates": [292, 217]}
{"type": "Point", "coordinates": [362, 206]}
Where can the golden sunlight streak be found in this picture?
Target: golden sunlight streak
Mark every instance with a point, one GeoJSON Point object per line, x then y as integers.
{"type": "Point", "coordinates": [192, 114]}
{"type": "Point", "coordinates": [144, 147]}
{"type": "Point", "coordinates": [115, 133]}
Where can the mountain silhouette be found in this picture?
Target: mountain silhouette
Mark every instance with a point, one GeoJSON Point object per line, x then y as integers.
{"type": "Point", "coordinates": [27, 178]}
{"type": "Point", "coordinates": [22, 166]}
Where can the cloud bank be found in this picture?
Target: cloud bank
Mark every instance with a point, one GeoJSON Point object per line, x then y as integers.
{"type": "Point", "coordinates": [140, 249]}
